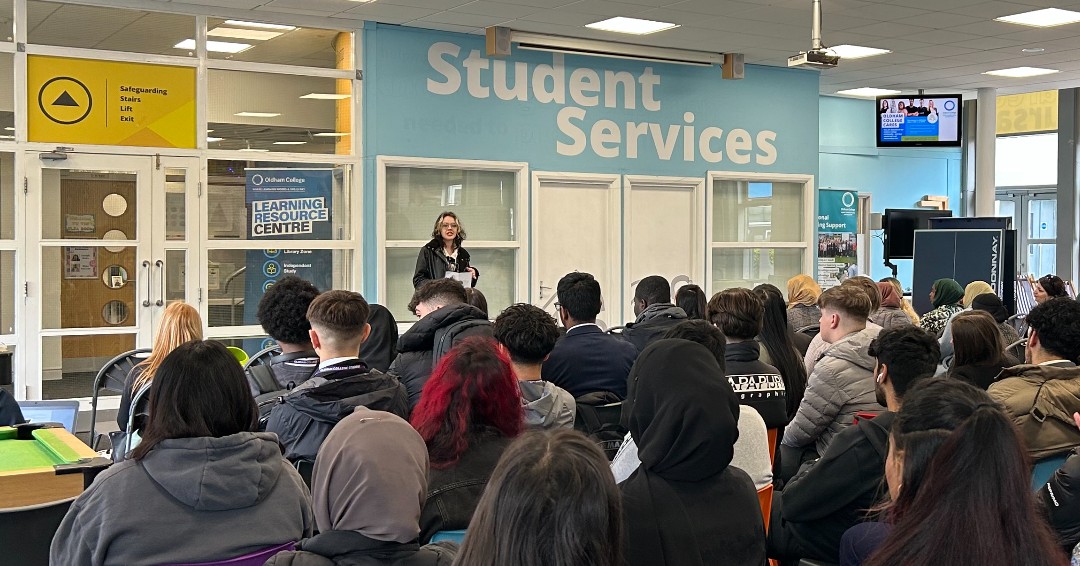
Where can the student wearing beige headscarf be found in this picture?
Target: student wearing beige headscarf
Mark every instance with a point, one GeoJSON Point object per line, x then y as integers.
{"type": "Point", "coordinates": [803, 293]}
{"type": "Point", "coordinates": [368, 488]}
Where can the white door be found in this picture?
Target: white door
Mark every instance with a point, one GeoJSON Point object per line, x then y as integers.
{"type": "Point", "coordinates": [664, 233]}
{"type": "Point", "coordinates": [107, 248]}
{"type": "Point", "coordinates": [576, 227]}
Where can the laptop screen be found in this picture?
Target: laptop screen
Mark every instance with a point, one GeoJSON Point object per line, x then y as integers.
{"type": "Point", "coordinates": [63, 412]}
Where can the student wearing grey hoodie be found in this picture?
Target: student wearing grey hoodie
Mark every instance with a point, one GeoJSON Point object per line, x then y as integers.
{"type": "Point", "coordinates": [201, 486]}
{"type": "Point", "coordinates": [528, 334]}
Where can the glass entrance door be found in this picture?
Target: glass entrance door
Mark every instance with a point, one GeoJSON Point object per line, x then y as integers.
{"type": "Point", "coordinates": [1034, 217]}
{"type": "Point", "coordinates": [107, 249]}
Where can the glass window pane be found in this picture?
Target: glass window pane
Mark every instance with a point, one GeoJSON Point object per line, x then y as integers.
{"type": "Point", "coordinates": [88, 286]}
{"type": "Point", "coordinates": [498, 276]}
{"type": "Point", "coordinates": [7, 293]}
{"type": "Point", "coordinates": [7, 196]}
{"type": "Point", "coordinates": [113, 29]}
{"type": "Point", "coordinates": [175, 204]}
{"type": "Point", "coordinates": [175, 275]}
{"type": "Point", "coordinates": [88, 205]}
{"type": "Point", "coordinates": [237, 279]}
{"type": "Point", "coordinates": [1042, 259]}
{"type": "Point", "coordinates": [485, 202]}
{"type": "Point", "coordinates": [1042, 219]}
{"type": "Point", "coordinates": [750, 267]}
{"type": "Point", "coordinates": [1024, 161]}
{"type": "Point", "coordinates": [1006, 209]}
{"type": "Point", "coordinates": [267, 112]}
{"type": "Point", "coordinates": [7, 19]}
{"type": "Point", "coordinates": [251, 345]}
{"type": "Point", "coordinates": [757, 212]}
{"type": "Point", "coordinates": [70, 363]}
{"type": "Point", "coordinates": [283, 45]}
{"type": "Point", "coordinates": [7, 95]}
{"type": "Point", "coordinates": [231, 217]}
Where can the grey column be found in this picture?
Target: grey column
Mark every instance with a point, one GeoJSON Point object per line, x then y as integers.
{"type": "Point", "coordinates": [985, 142]}
{"type": "Point", "coordinates": [1068, 187]}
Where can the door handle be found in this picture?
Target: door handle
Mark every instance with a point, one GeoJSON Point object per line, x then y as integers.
{"type": "Point", "coordinates": [160, 264]}
{"type": "Point", "coordinates": [149, 282]}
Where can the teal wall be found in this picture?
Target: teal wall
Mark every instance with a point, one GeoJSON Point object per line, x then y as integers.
{"type": "Point", "coordinates": [895, 178]}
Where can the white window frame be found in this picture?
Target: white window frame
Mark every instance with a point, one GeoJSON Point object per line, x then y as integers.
{"type": "Point", "coordinates": [809, 216]}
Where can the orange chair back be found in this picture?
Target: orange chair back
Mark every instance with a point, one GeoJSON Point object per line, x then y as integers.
{"type": "Point", "coordinates": [765, 499]}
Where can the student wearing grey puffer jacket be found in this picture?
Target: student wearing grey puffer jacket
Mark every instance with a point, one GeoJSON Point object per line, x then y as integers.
{"type": "Point", "coordinates": [842, 383]}
{"type": "Point", "coordinates": [186, 497]}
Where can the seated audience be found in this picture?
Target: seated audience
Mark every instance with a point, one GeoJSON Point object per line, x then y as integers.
{"type": "Point", "coordinates": [960, 487]}
{"type": "Point", "coordinates": [842, 383]}
{"type": "Point", "coordinates": [685, 426]}
{"type": "Point", "coordinates": [905, 304]}
{"type": "Point", "coordinates": [751, 449]}
{"type": "Point", "coordinates": [180, 323]}
{"type": "Point", "coordinates": [442, 308]}
{"type": "Point", "coordinates": [834, 492]}
{"type": "Point", "coordinates": [10, 413]}
{"type": "Point", "coordinates": [692, 300]}
{"type": "Point", "coordinates": [1041, 396]}
{"type": "Point", "coordinates": [474, 297]}
{"type": "Point", "coordinates": [973, 289]}
{"type": "Point", "coordinates": [1049, 287]}
{"type": "Point", "coordinates": [343, 381]}
{"type": "Point", "coordinates": [468, 414]}
{"type": "Point", "coordinates": [201, 486]}
{"type": "Point", "coordinates": [945, 295]}
{"type": "Point", "coordinates": [783, 348]}
{"type": "Point", "coordinates": [803, 293]}
{"type": "Point", "coordinates": [890, 314]}
{"type": "Point", "coordinates": [818, 345]}
{"type": "Point", "coordinates": [738, 314]}
{"type": "Point", "coordinates": [550, 502]}
{"type": "Point", "coordinates": [978, 349]}
{"type": "Point", "coordinates": [368, 487]}
{"type": "Point", "coordinates": [654, 311]}
{"type": "Point", "coordinates": [586, 360]}
{"type": "Point", "coordinates": [283, 316]}
{"type": "Point", "coordinates": [991, 304]}
{"type": "Point", "coordinates": [528, 334]}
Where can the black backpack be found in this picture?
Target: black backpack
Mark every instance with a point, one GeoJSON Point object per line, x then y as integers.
{"type": "Point", "coordinates": [447, 336]}
{"type": "Point", "coordinates": [599, 416]}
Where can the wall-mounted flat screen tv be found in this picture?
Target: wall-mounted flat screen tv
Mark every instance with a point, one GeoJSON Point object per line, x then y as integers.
{"type": "Point", "coordinates": [900, 225]}
{"type": "Point", "coordinates": [922, 120]}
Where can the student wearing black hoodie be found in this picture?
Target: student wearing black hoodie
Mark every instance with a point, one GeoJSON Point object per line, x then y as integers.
{"type": "Point", "coordinates": [343, 381]}
{"type": "Point", "coordinates": [834, 492]}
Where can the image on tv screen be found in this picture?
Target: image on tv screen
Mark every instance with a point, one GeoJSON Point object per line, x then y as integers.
{"type": "Point", "coordinates": [933, 120]}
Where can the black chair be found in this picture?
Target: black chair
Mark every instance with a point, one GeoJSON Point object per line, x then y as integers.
{"type": "Point", "coordinates": [27, 532]}
{"type": "Point", "coordinates": [305, 468]}
{"type": "Point", "coordinates": [810, 330]}
{"type": "Point", "coordinates": [112, 377]}
{"type": "Point", "coordinates": [262, 356]}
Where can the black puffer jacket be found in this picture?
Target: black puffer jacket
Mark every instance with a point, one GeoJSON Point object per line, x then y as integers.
{"type": "Point", "coordinates": [307, 414]}
{"type": "Point", "coordinates": [350, 548]}
{"type": "Point", "coordinates": [1061, 500]}
{"type": "Point", "coordinates": [432, 263]}
{"type": "Point", "coordinates": [652, 323]}
{"type": "Point", "coordinates": [413, 364]}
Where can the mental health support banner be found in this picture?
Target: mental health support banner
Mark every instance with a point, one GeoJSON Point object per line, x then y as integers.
{"type": "Point", "coordinates": [287, 204]}
{"type": "Point", "coordinates": [838, 228]}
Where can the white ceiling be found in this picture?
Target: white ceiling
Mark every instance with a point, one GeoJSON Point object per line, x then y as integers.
{"type": "Point", "coordinates": [939, 45]}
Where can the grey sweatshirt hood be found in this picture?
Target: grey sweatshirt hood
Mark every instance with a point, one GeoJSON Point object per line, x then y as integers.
{"type": "Point", "coordinates": [217, 474]}
{"type": "Point", "coordinates": [660, 310]}
{"type": "Point", "coordinates": [853, 348]}
{"type": "Point", "coordinates": [547, 405]}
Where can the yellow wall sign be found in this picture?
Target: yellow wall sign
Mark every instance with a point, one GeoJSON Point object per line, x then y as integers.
{"type": "Point", "coordinates": [110, 103]}
{"type": "Point", "coordinates": [1030, 112]}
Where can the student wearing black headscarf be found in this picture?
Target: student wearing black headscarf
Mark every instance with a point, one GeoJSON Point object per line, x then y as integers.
{"type": "Point", "coordinates": [685, 506]}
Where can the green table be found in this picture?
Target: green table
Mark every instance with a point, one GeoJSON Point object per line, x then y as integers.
{"type": "Point", "coordinates": [39, 465]}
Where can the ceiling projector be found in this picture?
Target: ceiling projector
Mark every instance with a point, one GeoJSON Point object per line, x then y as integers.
{"type": "Point", "coordinates": [818, 58]}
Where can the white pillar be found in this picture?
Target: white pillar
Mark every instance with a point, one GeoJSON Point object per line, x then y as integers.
{"type": "Point", "coordinates": [985, 141]}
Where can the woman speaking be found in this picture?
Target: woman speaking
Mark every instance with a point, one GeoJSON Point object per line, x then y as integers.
{"type": "Point", "coordinates": [444, 252]}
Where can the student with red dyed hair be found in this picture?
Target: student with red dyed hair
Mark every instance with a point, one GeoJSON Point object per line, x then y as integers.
{"type": "Point", "coordinates": [469, 411]}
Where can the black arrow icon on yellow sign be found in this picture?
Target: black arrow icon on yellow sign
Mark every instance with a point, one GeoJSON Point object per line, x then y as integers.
{"type": "Point", "coordinates": [71, 100]}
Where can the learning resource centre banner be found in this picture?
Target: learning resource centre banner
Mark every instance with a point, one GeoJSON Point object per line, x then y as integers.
{"type": "Point", "coordinates": [109, 103]}
{"type": "Point", "coordinates": [287, 204]}
{"type": "Point", "coordinates": [838, 227]}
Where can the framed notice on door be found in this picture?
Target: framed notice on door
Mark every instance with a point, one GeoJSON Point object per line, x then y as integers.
{"type": "Point", "coordinates": [80, 262]}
